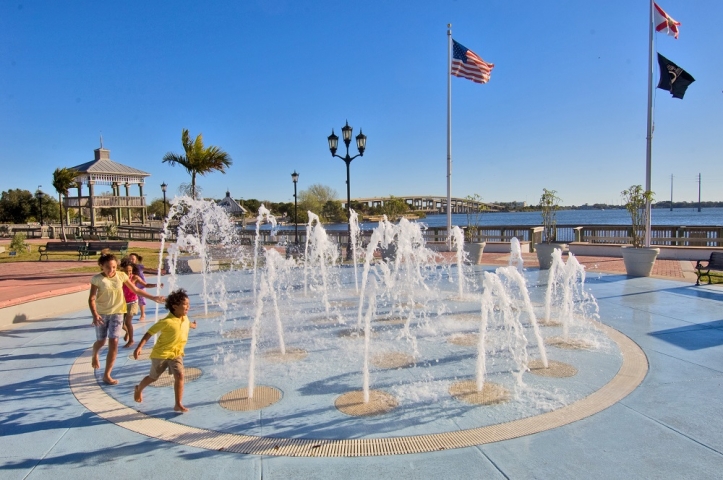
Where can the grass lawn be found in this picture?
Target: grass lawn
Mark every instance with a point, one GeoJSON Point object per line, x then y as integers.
{"type": "Point", "coordinates": [150, 259]}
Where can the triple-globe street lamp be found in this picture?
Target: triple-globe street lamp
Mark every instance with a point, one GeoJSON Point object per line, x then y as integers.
{"type": "Point", "coordinates": [361, 143]}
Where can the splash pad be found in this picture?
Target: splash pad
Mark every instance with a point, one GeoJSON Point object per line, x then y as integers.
{"type": "Point", "coordinates": [338, 398]}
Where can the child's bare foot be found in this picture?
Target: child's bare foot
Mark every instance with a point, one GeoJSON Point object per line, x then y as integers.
{"type": "Point", "coordinates": [137, 395]}
{"type": "Point", "coordinates": [95, 363]}
{"type": "Point", "coordinates": [129, 344]}
{"type": "Point", "coordinates": [142, 318]}
{"type": "Point", "coordinates": [180, 408]}
{"type": "Point", "coordinates": [110, 381]}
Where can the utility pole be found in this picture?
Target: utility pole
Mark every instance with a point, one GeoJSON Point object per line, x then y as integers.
{"type": "Point", "coordinates": [699, 182]}
{"type": "Point", "coordinates": [671, 192]}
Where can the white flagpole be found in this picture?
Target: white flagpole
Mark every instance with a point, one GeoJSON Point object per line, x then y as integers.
{"type": "Point", "coordinates": [449, 136]}
{"type": "Point", "coordinates": [649, 137]}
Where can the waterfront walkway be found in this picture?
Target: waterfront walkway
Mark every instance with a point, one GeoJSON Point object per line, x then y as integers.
{"type": "Point", "coordinates": [669, 427]}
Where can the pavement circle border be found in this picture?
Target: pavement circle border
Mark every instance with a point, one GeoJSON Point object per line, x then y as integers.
{"type": "Point", "coordinates": [89, 393]}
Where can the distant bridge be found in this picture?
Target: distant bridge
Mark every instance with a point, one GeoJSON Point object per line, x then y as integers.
{"type": "Point", "coordinates": [430, 203]}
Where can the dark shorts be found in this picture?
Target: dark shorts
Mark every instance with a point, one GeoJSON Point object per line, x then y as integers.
{"type": "Point", "coordinates": [160, 365]}
{"type": "Point", "coordinates": [111, 327]}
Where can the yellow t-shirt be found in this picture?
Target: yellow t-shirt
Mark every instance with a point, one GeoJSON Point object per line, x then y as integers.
{"type": "Point", "coordinates": [110, 300]}
{"type": "Point", "coordinates": [173, 336]}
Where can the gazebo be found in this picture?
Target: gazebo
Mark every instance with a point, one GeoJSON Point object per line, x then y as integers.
{"type": "Point", "coordinates": [104, 171]}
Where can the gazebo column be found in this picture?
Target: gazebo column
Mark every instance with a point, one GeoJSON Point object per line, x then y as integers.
{"type": "Point", "coordinates": [116, 209]}
{"type": "Point", "coordinates": [128, 194]}
{"type": "Point", "coordinates": [80, 209]}
{"type": "Point", "coordinates": [143, 208]}
{"type": "Point", "coordinates": [92, 206]}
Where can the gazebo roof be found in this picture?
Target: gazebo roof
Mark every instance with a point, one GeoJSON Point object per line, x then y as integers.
{"type": "Point", "coordinates": [104, 170]}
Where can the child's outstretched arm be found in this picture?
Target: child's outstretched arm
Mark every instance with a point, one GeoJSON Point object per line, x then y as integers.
{"type": "Point", "coordinates": [143, 293]}
{"type": "Point", "coordinates": [139, 348]}
{"type": "Point", "coordinates": [138, 280]}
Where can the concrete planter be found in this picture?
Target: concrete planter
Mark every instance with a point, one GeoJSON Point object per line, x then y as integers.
{"type": "Point", "coordinates": [474, 252]}
{"type": "Point", "coordinates": [639, 261]}
{"type": "Point", "coordinates": [544, 253]}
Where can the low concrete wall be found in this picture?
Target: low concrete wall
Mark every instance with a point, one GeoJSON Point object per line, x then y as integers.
{"type": "Point", "coordinates": [44, 308]}
{"type": "Point", "coordinates": [666, 252]}
{"type": "Point", "coordinates": [504, 247]}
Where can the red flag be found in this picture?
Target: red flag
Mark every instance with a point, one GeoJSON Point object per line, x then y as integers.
{"type": "Point", "coordinates": [664, 23]}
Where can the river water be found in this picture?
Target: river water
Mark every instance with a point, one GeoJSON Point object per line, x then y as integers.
{"type": "Point", "coordinates": [678, 217]}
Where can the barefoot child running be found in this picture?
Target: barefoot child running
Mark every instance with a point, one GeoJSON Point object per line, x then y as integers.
{"type": "Point", "coordinates": [131, 298]}
{"type": "Point", "coordinates": [167, 353]}
{"type": "Point", "coordinates": [107, 305]}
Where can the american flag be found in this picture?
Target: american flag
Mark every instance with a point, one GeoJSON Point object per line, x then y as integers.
{"type": "Point", "coordinates": [467, 64]}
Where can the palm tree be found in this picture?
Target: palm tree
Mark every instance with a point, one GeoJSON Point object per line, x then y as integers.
{"type": "Point", "coordinates": [63, 180]}
{"type": "Point", "coordinates": [198, 159]}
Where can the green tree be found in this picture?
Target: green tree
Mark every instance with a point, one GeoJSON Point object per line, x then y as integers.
{"type": "Point", "coordinates": [63, 180]}
{"type": "Point", "coordinates": [198, 159]}
{"type": "Point", "coordinates": [394, 207]}
{"type": "Point", "coordinates": [156, 207]}
{"type": "Point", "coordinates": [315, 197]}
{"type": "Point", "coordinates": [252, 205]}
{"type": "Point", "coordinates": [332, 211]}
{"type": "Point", "coordinates": [16, 206]}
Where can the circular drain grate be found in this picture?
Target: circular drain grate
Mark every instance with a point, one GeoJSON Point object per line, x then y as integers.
{"type": "Point", "coordinates": [352, 333]}
{"type": "Point", "coordinates": [554, 369]}
{"type": "Point", "coordinates": [548, 323]}
{"type": "Point", "coordinates": [292, 355]}
{"type": "Point", "coordinates": [352, 403]}
{"type": "Point", "coordinates": [205, 315]}
{"type": "Point", "coordinates": [237, 333]}
{"type": "Point", "coordinates": [465, 317]}
{"type": "Point", "coordinates": [491, 393]}
{"type": "Point", "coordinates": [344, 303]}
{"type": "Point", "coordinates": [239, 401]}
{"type": "Point", "coordinates": [392, 360]}
{"type": "Point", "coordinates": [390, 320]}
{"type": "Point", "coordinates": [166, 379]}
{"type": "Point", "coordinates": [143, 356]}
{"type": "Point", "coordinates": [464, 339]}
{"type": "Point", "coordinates": [568, 343]}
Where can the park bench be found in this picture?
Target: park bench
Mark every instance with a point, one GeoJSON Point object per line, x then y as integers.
{"type": "Point", "coordinates": [95, 248]}
{"type": "Point", "coordinates": [715, 263]}
{"type": "Point", "coordinates": [61, 248]}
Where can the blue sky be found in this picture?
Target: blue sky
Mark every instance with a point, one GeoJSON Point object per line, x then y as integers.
{"type": "Point", "coordinates": [267, 80]}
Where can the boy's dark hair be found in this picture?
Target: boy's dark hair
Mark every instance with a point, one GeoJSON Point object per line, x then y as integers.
{"type": "Point", "coordinates": [174, 298]}
{"type": "Point", "coordinates": [105, 258]}
{"type": "Point", "coordinates": [140, 259]}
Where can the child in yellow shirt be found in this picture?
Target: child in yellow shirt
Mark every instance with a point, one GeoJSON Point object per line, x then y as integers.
{"type": "Point", "coordinates": [167, 353]}
{"type": "Point", "coordinates": [108, 306]}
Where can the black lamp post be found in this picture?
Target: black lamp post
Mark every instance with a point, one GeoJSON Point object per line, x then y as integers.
{"type": "Point", "coordinates": [361, 143]}
{"type": "Point", "coordinates": [39, 196]}
{"type": "Point", "coordinates": [163, 189]}
{"type": "Point", "coordinates": [295, 178]}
